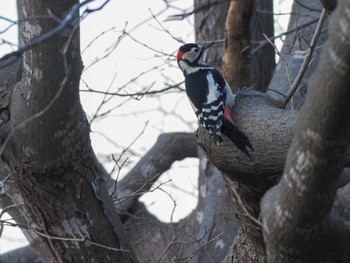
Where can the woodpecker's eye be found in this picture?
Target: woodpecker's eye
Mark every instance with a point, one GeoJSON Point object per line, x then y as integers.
{"type": "Point", "coordinates": [196, 50]}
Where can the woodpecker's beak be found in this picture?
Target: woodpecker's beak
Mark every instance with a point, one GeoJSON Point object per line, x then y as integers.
{"type": "Point", "coordinates": [206, 46]}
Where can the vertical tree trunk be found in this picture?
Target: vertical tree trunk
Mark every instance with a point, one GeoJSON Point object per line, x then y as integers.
{"type": "Point", "coordinates": [296, 216]}
{"type": "Point", "coordinates": [236, 61]}
{"type": "Point", "coordinates": [49, 149]}
{"type": "Point", "coordinates": [209, 25]}
{"type": "Point", "coordinates": [263, 61]}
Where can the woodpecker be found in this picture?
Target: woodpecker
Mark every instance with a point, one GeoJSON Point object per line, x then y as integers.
{"type": "Point", "coordinates": [210, 95]}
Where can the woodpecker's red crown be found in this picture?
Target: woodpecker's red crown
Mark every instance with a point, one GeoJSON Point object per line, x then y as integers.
{"type": "Point", "coordinates": [192, 52]}
{"type": "Point", "coordinates": [179, 55]}
{"type": "Point", "coordinates": [187, 48]}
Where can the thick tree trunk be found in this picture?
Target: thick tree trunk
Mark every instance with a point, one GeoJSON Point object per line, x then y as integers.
{"type": "Point", "coordinates": [296, 213]}
{"type": "Point", "coordinates": [236, 61]}
{"type": "Point", "coordinates": [47, 148]}
{"type": "Point", "coordinates": [263, 61]}
{"type": "Point", "coordinates": [209, 26]}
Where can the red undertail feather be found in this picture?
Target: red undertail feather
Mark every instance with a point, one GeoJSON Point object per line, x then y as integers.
{"type": "Point", "coordinates": [228, 115]}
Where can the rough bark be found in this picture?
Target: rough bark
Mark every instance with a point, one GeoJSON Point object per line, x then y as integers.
{"type": "Point", "coordinates": [61, 186]}
{"type": "Point", "coordinates": [209, 26]}
{"type": "Point", "coordinates": [296, 213]}
{"type": "Point", "coordinates": [270, 130]}
{"type": "Point", "coordinates": [263, 61]}
{"type": "Point", "coordinates": [236, 61]}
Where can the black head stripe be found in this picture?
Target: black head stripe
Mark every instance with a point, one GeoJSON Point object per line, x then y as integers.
{"type": "Point", "coordinates": [187, 47]}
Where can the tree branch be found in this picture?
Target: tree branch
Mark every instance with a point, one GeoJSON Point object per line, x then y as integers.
{"type": "Point", "coordinates": [269, 129]}
{"type": "Point", "coordinates": [329, 5]}
{"type": "Point", "coordinates": [236, 61]}
{"type": "Point", "coordinates": [70, 19]}
{"type": "Point", "coordinates": [295, 213]}
{"type": "Point", "coordinates": [170, 147]}
{"type": "Point", "coordinates": [306, 61]}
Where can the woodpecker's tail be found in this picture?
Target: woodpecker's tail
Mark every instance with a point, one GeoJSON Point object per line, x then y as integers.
{"type": "Point", "coordinates": [237, 137]}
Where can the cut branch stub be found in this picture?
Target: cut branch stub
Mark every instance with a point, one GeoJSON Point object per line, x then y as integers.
{"type": "Point", "coordinates": [270, 131]}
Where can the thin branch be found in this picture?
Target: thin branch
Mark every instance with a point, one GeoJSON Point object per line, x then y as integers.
{"type": "Point", "coordinates": [195, 10]}
{"type": "Point", "coordinates": [116, 161]}
{"type": "Point", "coordinates": [265, 42]}
{"type": "Point", "coordinates": [121, 37]}
{"type": "Point", "coordinates": [306, 61]}
{"type": "Point", "coordinates": [69, 20]}
{"type": "Point", "coordinates": [71, 239]}
{"type": "Point", "coordinates": [104, 99]}
{"type": "Point", "coordinates": [96, 38]}
{"type": "Point", "coordinates": [281, 57]}
{"type": "Point", "coordinates": [205, 244]}
{"type": "Point", "coordinates": [245, 210]}
{"type": "Point", "coordinates": [164, 29]}
{"type": "Point", "coordinates": [138, 94]}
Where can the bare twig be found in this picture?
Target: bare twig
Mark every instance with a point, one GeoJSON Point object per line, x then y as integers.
{"type": "Point", "coordinates": [70, 18]}
{"type": "Point", "coordinates": [171, 243]}
{"type": "Point", "coordinates": [138, 94]}
{"type": "Point", "coordinates": [265, 42]}
{"type": "Point", "coordinates": [280, 55]}
{"type": "Point", "coordinates": [195, 10]}
{"type": "Point", "coordinates": [245, 210]}
{"type": "Point", "coordinates": [306, 61]}
{"type": "Point", "coordinates": [96, 38]}
{"type": "Point", "coordinates": [125, 32]}
{"type": "Point", "coordinates": [105, 99]}
{"type": "Point", "coordinates": [71, 239]}
{"type": "Point", "coordinates": [164, 29]}
{"type": "Point", "coordinates": [205, 244]}
{"type": "Point", "coordinates": [116, 161]}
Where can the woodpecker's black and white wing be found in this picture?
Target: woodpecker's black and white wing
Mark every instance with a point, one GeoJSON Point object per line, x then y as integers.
{"type": "Point", "coordinates": [206, 90]}
{"type": "Point", "coordinates": [210, 95]}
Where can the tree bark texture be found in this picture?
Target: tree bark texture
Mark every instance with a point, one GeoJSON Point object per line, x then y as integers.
{"type": "Point", "coordinates": [47, 148]}
{"type": "Point", "coordinates": [209, 26]}
{"type": "Point", "coordinates": [270, 131]}
{"type": "Point", "coordinates": [236, 61]}
{"type": "Point", "coordinates": [296, 213]}
{"type": "Point", "coordinates": [263, 61]}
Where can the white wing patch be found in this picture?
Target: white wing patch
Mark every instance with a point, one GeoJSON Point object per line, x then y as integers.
{"type": "Point", "coordinates": [214, 92]}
